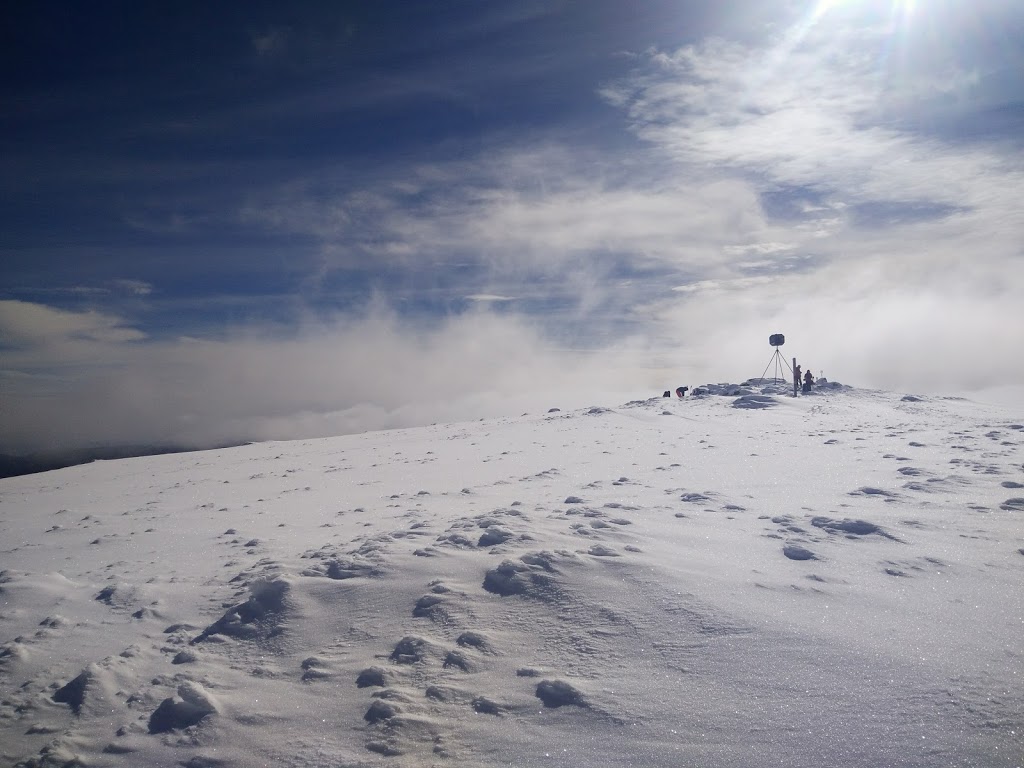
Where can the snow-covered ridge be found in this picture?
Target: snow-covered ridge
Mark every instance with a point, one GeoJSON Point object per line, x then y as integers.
{"type": "Point", "coordinates": [736, 578]}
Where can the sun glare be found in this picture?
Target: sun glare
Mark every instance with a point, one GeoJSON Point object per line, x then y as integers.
{"type": "Point", "coordinates": [824, 7]}
{"type": "Point", "coordinates": [898, 8]}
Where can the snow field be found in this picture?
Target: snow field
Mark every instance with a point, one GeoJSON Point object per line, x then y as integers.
{"type": "Point", "coordinates": [736, 579]}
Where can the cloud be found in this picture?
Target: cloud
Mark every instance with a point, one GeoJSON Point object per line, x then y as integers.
{"type": "Point", "coordinates": [521, 213]}
{"type": "Point", "coordinates": [349, 373]}
{"type": "Point", "coordinates": [28, 326]}
{"type": "Point", "coordinates": [122, 287]}
{"type": "Point", "coordinates": [777, 185]}
{"type": "Point", "coordinates": [489, 297]}
{"type": "Point", "coordinates": [906, 246]}
{"type": "Point", "coordinates": [729, 130]}
{"type": "Point", "coordinates": [903, 336]}
{"type": "Point", "coordinates": [807, 117]}
{"type": "Point", "coordinates": [270, 41]}
{"type": "Point", "coordinates": [133, 287]}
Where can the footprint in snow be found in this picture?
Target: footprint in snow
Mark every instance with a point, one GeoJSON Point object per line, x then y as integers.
{"type": "Point", "coordinates": [694, 498]}
{"type": "Point", "coordinates": [494, 536]}
{"type": "Point", "coordinates": [558, 693]}
{"type": "Point", "coordinates": [755, 402]}
{"type": "Point", "coordinates": [851, 528]}
{"type": "Point", "coordinates": [258, 617]}
{"type": "Point", "coordinates": [374, 677]}
{"type": "Point", "coordinates": [433, 607]}
{"type": "Point", "coordinates": [315, 668]}
{"type": "Point", "coordinates": [192, 704]}
{"type": "Point", "coordinates": [911, 471]}
{"type": "Point", "coordinates": [532, 575]}
{"type": "Point", "coordinates": [476, 641]}
{"type": "Point", "coordinates": [446, 694]}
{"type": "Point", "coordinates": [796, 552]}
{"type": "Point", "coordinates": [410, 650]}
{"type": "Point", "coordinates": [456, 540]}
{"type": "Point", "coordinates": [876, 492]}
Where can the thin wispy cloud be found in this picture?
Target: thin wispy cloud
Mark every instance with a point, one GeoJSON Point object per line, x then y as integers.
{"type": "Point", "coordinates": [529, 211]}
{"type": "Point", "coordinates": [28, 326]}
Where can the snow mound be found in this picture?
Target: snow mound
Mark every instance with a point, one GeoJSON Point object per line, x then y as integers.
{"type": "Point", "coordinates": [257, 617]}
{"type": "Point", "coordinates": [755, 401]}
{"type": "Point", "coordinates": [193, 704]}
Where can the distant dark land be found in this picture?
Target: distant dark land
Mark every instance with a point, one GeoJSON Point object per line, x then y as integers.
{"type": "Point", "coordinates": [12, 465]}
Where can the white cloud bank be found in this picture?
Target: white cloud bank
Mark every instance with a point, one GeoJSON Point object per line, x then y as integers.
{"type": "Point", "coordinates": [65, 389]}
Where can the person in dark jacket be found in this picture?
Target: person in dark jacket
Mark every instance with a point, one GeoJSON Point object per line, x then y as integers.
{"type": "Point", "coordinates": [808, 381]}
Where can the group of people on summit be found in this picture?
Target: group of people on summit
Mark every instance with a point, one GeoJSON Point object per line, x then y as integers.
{"type": "Point", "coordinates": [808, 380]}
{"type": "Point", "coordinates": [801, 381]}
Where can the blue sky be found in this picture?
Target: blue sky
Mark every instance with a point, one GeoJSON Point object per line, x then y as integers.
{"type": "Point", "coordinates": [236, 221]}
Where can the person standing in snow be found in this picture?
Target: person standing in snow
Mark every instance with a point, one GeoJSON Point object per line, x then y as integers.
{"type": "Point", "coordinates": [796, 378]}
{"type": "Point", "coordinates": [808, 381]}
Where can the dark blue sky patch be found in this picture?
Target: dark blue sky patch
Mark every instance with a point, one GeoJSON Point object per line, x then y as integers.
{"type": "Point", "coordinates": [1001, 123]}
{"type": "Point", "coordinates": [875, 214]}
{"type": "Point", "coordinates": [212, 315]}
{"type": "Point", "coordinates": [785, 262]}
{"type": "Point", "coordinates": [793, 204]}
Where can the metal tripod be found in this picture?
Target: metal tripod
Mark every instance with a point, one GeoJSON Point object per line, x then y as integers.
{"type": "Point", "coordinates": [780, 365]}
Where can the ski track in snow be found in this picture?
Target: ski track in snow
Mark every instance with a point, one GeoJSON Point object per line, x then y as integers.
{"type": "Point", "coordinates": [735, 579]}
